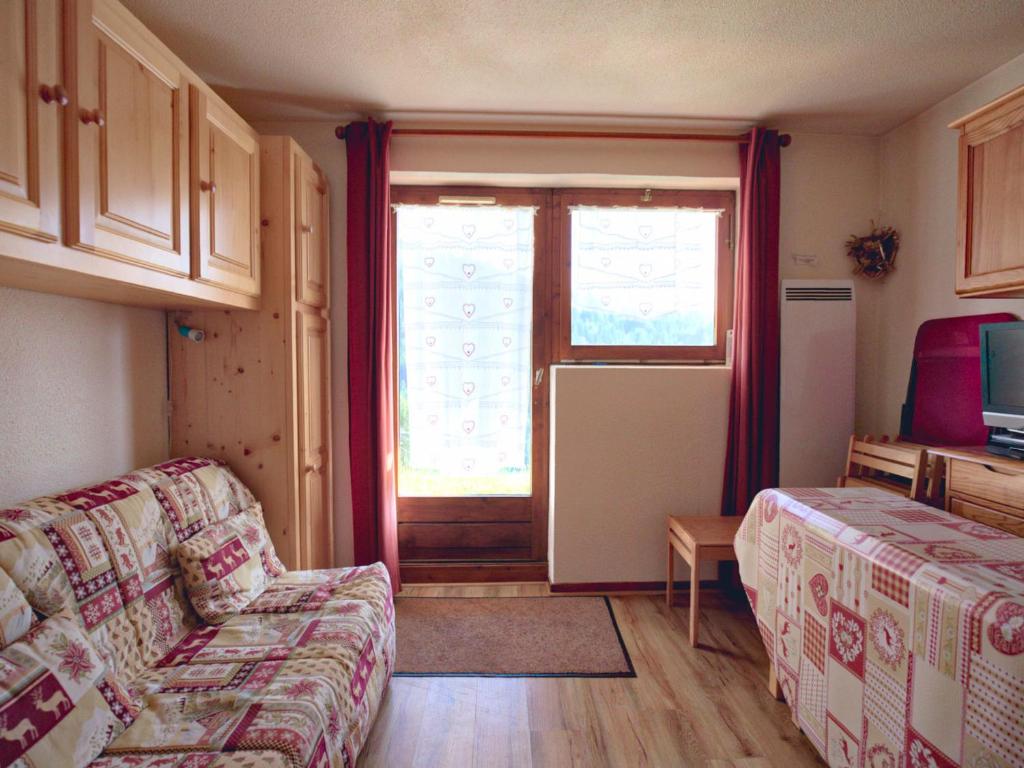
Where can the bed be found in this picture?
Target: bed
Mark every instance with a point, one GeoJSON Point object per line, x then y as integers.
{"type": "Point", "coordinates": [895, 630]}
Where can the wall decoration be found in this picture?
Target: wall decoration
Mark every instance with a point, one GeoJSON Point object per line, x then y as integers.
{"type": "Point", "coordinates": [875, 253]}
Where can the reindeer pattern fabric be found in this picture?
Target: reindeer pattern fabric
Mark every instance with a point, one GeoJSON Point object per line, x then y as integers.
{"type": "Point", "coordinates": [896, 630]}
{"type": "Point", "coordinates": [226, 566]}
{"type": "Point", "coordinates": [59, 704]}
{"type": "Point", "coordinates": [294, 678]}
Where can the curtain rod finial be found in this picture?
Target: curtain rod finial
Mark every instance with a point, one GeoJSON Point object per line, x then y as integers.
{"type": "Point", "coordinates": [340, 131]}
{"type": "Point", "coordinates": [785, 140]}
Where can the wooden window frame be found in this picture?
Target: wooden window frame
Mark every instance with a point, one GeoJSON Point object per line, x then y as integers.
{"type": "Point", "coordinates": [500, 521]}
{"type": "Point", "coordinates": [724, 200]}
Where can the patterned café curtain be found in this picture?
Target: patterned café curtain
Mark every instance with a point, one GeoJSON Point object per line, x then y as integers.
{"type": "Point", "coordinates": [466, 307]}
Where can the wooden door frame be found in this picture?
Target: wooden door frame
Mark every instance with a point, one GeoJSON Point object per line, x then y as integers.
{"type": "Point", "coordinates": [494, 509]}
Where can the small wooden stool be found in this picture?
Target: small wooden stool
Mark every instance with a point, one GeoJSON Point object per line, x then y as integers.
{"type": "Point", "coordinates": [698, 539]}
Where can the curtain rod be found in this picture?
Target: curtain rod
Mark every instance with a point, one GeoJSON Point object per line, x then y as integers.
{"type": "Point", "coordinates": [784, 139]}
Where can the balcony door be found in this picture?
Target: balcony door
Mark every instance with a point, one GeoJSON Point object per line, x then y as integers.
{"type": "Point", "coordinates": [472, 301]}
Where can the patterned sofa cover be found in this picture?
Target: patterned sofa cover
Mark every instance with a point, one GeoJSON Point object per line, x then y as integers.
{"type": "Point", "coordinates": [296, 679]}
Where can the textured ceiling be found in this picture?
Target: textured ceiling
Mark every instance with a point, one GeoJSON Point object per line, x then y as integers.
{"type": "Point", "coordinates": [860, 66]}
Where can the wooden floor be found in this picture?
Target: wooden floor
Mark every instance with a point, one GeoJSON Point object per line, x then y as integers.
{"type": "Point", "coordinates": [707, 706]}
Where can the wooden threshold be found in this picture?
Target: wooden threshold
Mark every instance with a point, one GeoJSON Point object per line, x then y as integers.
{"type": "Point", "coordinates": [468, 573]}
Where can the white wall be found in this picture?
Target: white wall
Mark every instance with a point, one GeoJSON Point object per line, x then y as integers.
{"type": "Point", "coordinates": [830, 189]}
{"type": "Point", "coordinates": [630, 445]}
{"type": "Point", "coordinates": [83, 392]}
{"type": "Point", "coordinates": [918, 198]}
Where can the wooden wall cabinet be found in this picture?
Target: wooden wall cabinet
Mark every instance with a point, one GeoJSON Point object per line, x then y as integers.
{"type": "Point", "coordinates": [29, 130]}
{"type": "Point", "coordinates": [100, 110]}
{"type": "Point", "coordinates": [256, 392]}
{"type": "Point", "coordinates": [990, 205]}
{"type": "Point", "coordinates": [225, 172]}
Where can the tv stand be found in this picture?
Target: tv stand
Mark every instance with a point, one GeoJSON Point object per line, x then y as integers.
{"type": "Point", "coordinates": [984, 487]}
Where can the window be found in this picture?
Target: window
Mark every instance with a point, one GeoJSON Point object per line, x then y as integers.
{"type": "Point", "coordinates": [465, 314]}
{"type": "Point", "coordinates": [645, 275]}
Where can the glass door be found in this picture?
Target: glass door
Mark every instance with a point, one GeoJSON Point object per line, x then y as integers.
{"type": "Point", "coordinates": [472, 347]}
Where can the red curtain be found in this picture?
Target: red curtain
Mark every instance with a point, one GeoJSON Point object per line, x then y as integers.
{"type": "Point", "coordinates": [752, 453]}
{"type": "Point", "coordinates": [371, 356]}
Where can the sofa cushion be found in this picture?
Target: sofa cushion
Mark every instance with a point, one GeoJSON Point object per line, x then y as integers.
{"type": "Point", "coordinates": [57, 557]}
{"type": "Point", "coordinates": [59, 703]}
{"type": "Point", "coordinates": [226, 565]}
{"type": "Point", "coordinates": [271, 562]}
{"type": "Point", "coordinates": [16, 616]}
{"type": "Point", "coordinates": [136, 609]}
{"type": "Point", "coordinates": [299, 708]}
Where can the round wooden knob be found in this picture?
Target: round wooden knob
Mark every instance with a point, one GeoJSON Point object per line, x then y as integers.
{"type": "Point", "coordinates": [92, 116]}
{"type": "Point", "coordinates": [207, 186]}
{"type": "Point", "coordinates": [53, 93]}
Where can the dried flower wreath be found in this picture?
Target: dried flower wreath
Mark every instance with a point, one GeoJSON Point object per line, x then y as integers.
{"type": "Point", "coordinates": [875, 254]}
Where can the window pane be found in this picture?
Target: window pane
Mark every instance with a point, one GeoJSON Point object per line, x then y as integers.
{"type": "Point", "coordinates": [643, 277]}
{"type": "Point", "coordinates": [465, 304]}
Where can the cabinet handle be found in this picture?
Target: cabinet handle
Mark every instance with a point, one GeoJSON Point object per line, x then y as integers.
{"type": "Point", "coordinates": [53, 93]}
{"type": "Point", "coordinates": [207, 186]}
{"type": "Point", "coordinates": [92, 116]}
{"type": "Point", "coordinates": [307, 228]}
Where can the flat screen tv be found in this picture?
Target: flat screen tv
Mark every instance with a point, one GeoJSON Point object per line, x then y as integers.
{"type": "Point", "coordinates": [1002, 375]}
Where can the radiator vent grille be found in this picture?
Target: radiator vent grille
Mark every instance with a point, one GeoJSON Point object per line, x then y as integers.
{"type": "Point", "coordinates": [820, 293]}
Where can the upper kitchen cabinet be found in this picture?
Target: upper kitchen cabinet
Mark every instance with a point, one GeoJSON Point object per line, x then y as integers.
{"type": "Point", "coordinates": [123, 177]}
{"type": "Point", "coordinates": [127, 140]}
{"type": "Point", "coordinates": [225, 190]}
{"type": "Point", "coordinates": [31, 95]}
{"type": "Point", "coordinates": [990, 233]}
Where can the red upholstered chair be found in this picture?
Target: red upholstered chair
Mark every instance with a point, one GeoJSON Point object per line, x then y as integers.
{"type": "Point", "coordinates": [944, 395]}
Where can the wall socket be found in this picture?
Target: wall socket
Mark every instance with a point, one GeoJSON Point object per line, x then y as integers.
{"type": "Point", "coordinates": [805, 259]}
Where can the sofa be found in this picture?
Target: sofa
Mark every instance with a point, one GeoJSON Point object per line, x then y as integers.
{"type": "Point", "coordinates": [294, 678]}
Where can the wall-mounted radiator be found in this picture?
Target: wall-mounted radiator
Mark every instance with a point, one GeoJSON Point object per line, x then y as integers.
{"type": "Point", "coordinates": [819, 348]}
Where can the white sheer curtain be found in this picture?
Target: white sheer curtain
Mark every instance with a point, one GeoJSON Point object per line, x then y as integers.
{"type": "Point", "coordinates": [465, 331]}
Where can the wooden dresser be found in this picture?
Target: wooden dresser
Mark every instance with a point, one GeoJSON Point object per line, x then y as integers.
{"type": "Point", "coordinates": [984, 487]}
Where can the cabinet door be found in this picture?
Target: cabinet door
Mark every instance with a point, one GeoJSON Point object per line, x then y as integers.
{"type": "Point", "coordinates": [30, 92]}
{"type": "Point", "coordinates": [225, 196]}
{"type": "Point", "coordinates": [126, 133]}
{"type": "Point", "coordinates": [311, 234]}
{"type": "Point", "coordinates": [991, 234]}
{"type": "Point", "coordinates": [315, 521]}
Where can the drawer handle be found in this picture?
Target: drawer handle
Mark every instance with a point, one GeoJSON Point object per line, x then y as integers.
{"type": "Point", "coordinates": [307, 228]}
{"type": "Point", "coordinates": [92, 116]}
{"type": "Point", "coordinates": [997, 471]}
{"type": "Point", "coordinates": [53, 93]}
{"type": "Point", "coordinates": [208, 186]}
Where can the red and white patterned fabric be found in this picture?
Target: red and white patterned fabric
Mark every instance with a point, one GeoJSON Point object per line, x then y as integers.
{"type": "Point", "coordinates": [16, 616]}
{"type": "Point", "coordinates": [296, 679]}
{"type": "Point", "coordinates": [225, 566]}
{"type": "Point", "coordinates": [59, 704]}
{"type": "Point", "coordinates": [896, 630]}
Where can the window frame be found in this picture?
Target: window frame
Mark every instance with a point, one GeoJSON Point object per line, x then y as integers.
{"type": "Point", "coordinates": [564, 199]}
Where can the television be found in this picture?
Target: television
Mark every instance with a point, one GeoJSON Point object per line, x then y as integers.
{"type": "Point", "coordinates": [1002, 386]}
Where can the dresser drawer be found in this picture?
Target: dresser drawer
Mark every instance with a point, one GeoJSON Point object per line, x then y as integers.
{"type": "Point", "coordinates": [991, 517]}
{"type": "Point", "coordinates": [987, 482]}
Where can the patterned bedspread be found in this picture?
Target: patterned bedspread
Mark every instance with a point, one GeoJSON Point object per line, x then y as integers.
{"type": "Point", "coordinates": [896, 630]}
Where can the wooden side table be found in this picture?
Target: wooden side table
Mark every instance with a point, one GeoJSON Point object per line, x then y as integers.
{"type": "Point", "coordinates": [698, 539]}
